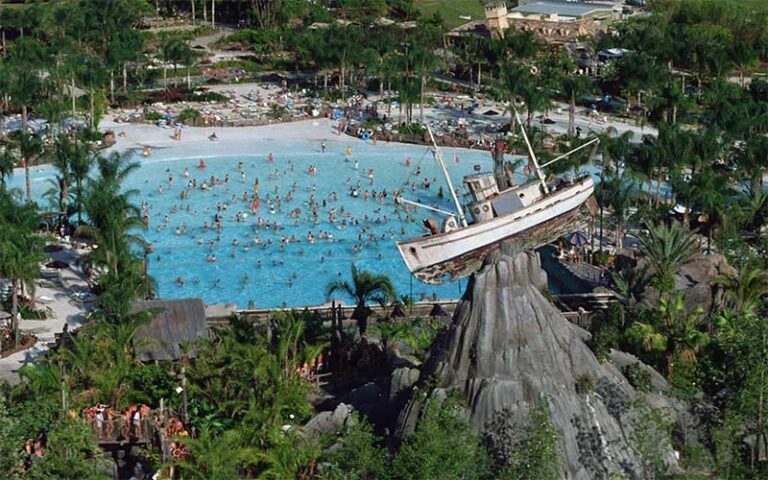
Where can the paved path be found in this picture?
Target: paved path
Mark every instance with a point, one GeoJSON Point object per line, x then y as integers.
{"type": "Point", "coordinates": [60, 296]}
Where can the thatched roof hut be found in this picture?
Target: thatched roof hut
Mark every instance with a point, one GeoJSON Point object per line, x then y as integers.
{"type": "Point", "coordinates": [173, 322]}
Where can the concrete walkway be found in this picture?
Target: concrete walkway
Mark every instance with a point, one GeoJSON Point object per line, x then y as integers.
{"type": "Point", "coordinates": [57, 290]}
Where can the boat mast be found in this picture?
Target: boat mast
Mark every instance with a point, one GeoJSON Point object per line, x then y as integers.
{"type": "Point", "coordinates": [539, 173]}
{"type": "Point", "coordinates": [594, 140]}
{"type": "Point", "coordinates": [439, 157]}
{"type": "Point", "coordinates": [399, 200]}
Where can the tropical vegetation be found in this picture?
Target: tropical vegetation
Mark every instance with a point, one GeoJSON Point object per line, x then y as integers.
{"type": "Point", "coordinates": [691, 187]}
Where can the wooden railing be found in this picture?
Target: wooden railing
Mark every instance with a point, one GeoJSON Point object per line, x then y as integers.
{"type": "Point", "coordinates": [259, 315]}
{"type": "Point", "coordinates": [573, 307]}
{"type": "Point", "coordinates": [121, 430]}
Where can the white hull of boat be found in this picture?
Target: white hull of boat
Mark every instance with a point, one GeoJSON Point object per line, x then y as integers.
{"type": "Point", "coordinates": [431, 257]}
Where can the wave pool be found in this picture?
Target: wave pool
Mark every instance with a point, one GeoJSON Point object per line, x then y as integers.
{"type": "Point", "coordinates": [283, 252]}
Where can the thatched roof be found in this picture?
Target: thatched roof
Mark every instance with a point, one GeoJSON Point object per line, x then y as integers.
{"type": "Point", "coordinates": [175, 322]}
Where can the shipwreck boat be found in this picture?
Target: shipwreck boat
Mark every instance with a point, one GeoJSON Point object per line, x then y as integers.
{"type": "Point", "coordinates": [536, 212]}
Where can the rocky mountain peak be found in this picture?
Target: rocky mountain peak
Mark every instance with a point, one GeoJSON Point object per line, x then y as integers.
{"type": "Point", "coordinates": [508, 347]}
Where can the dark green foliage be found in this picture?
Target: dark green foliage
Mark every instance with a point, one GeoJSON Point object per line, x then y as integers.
{"type": "Point", "coordinates": [153, 116]}
{"type": "Point", "coordinates": [638, 377]}
{"type": "Point", "coordinates": [607, 330]}
{"type": "Point", "coordinates": [149, 383]}
{"type": "Point", "coordinates": [585, 384]}
{"type": "Point", "coordinates": [687, 63]}
{"type": "Point", "coordinates": [431, 452]}
{"type": "Point", "coordinates": [359, 455]}
{"type": "Point", "coordinates": [524, 452]}
{"type": "Point", "coordinates": [652, 437]}
{"type": "Point", "coordinates": [189, 114]}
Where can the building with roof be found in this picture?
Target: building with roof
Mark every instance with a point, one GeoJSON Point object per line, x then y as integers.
{"type": "Point", "coordinates": [551, 20]}
{"type": "Point", "coordinates": [172, 323]}
{"type": "Point", "coordinates": [560, 22]}
{"type": "Point", "coordinates": [556, 11]}
{"type": "Point", "coordinates": [496, 17]}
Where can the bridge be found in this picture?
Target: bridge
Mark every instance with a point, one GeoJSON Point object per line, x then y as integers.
{"type": "Point", "coordinates": [120, 431]}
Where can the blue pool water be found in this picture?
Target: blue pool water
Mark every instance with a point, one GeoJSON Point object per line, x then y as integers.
{"type": "Point", "coordinates": [272, 273]}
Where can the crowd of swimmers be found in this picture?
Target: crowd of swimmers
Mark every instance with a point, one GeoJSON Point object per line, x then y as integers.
{"type": "Point", "coordinates": [269, 207]}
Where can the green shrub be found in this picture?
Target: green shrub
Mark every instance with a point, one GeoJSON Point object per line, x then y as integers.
{"type": "Point", "coordinates": [638, 377]}
{"type": "Point", "coordinates": [585, 384]}
{"type": "Point", "coordinates": [524, 452]}
{"type": "Point", "coordinates": [358, 454]}
{"type": "Point", "coordinates": [412, 129]}
{"type": "Point", "coordinates": [601, 258]}
{"type": "Point", "coordinates": [153, 116]}
{"type": "Point", "coordinates": [442, 447]}
{"type": "Point", "coordinates": [189, 114]}
{"type": "Point", "coordinates": [652, 437]}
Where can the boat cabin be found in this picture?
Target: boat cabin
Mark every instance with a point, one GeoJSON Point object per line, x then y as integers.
{"type": "Point", "coordinates": [487, 202]}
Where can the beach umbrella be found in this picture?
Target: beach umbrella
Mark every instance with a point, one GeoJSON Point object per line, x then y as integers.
{"type": "Point", "coordinates": [576, 238]}
{"type": "Point", "coordinates": [58, 264]}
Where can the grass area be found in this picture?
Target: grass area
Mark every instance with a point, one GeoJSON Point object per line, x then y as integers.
{"type": "Point", "coordinates": [755, 5]}
{"type": "Point", "coordinates": [452, 9]}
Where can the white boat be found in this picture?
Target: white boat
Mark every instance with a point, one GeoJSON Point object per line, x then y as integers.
{"type": "Point", "coordinates": [535, 212]}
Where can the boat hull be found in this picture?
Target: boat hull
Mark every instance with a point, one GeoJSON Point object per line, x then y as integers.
{"type": "Point", "coordinates": [460, 253]}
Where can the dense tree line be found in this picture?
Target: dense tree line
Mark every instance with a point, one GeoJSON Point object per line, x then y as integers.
{"type": "Point", "coordinates": [686, 72]}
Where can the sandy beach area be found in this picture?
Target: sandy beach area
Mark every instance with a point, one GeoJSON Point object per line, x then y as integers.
{"type": "Point", "coordinates": [136, 136]}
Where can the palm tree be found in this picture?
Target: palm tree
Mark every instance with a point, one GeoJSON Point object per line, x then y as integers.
{"type": "Point", "coordinates": [29, 147]}
{"type": "Point", "coordinates": [114, 219]}
{"type": "Point", "coordinates": [7, 162]}
{"type": "Point", "coordinates": [80, 162]}
{"type": "Point", "coordinates": [291, 347]}
{"type": "Point", "coordinates": [707, 192]}
{"type": "Point", "coordinates": [667, 248]}
{"type": "Point", "coordinates": [752, 209]}
{"type": "Point", "coordinates": [617, 192]}
{"type": "Point", "coordinates": [175, 52]}
{"type": "Point", "coordinates": [366, 287]}
{"type": "Point", "coordinates": [744, 291]}
{"type": "Point", "coordinates": [670, 99]}
{"type": "Point", "coordinates": [216, 456]}
{"type": "Point", "coordinates": [631, 283]}
{"type": "Point", "coordinates": [25, 58]}
{"type": "Point", "coordinates": [62, 161]}
{"type": "Point", "coordinates": [21, 250]}
{"type": "Point", "coordinates": [425, 63]}
{"type": "Point", "coordinates": [391, 331]}
{"type": "Point", "coordinates": [671, 332]}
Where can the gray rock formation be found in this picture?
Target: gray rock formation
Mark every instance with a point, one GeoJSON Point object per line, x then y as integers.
{"type": "Point", "coordinates": [402, 379]}
{"type": "Point", "coordinates": [329, 422]}
{"type": "Point", "coordinates": [696, 280]}
{"type": "Point", "coordinates": [508, 347]}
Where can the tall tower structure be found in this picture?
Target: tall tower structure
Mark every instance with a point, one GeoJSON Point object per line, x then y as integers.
{"type": "Point", "coordinates": [496, 17]}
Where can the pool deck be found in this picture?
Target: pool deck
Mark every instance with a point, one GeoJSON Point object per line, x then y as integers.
{"type": "Point", "coordinates": [136, 136]}
{"type": "Point", "coordinates": [61, 291]}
